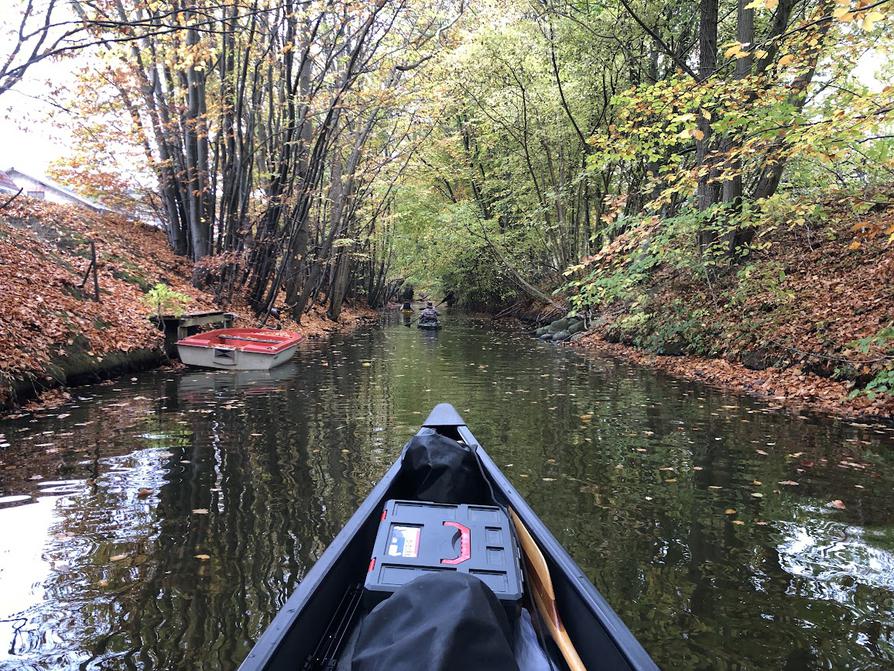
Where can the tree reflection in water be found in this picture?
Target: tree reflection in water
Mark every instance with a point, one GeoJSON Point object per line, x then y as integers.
{"type": "Point", "coordinates": [140, 481]}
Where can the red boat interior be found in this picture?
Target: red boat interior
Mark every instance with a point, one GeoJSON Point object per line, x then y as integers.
{"type": "Point", "coordinates": [262, 341]}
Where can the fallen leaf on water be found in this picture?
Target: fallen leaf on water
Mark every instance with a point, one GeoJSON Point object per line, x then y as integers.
{"type": "Point", "coordinates": [144, 492]}
{"type": "Point", "coordinates": [117, 557]}
{"type": "Point", "coordinates": [366, 364]}
{"type": "Point", "coordinates": [838, 504]}
{"type": "Point", "coordinates": [648, 498]}
{"type": "Point", "coordinates": [729, 511]}
{"type": "Point", "coordinates": [714, 487]}
{"type": "Point", "coordinates": [757, 495]}
{"type": "Point", "coordinates": [761, 523]}
{"type": "Point", "coordinates": [203, 557]}
{"type": "Point", "coordinates": [788, 483]}
{"type": "Point", "coordinates": [762, 452]}
{"type": "Point", "coordinates": [586, 418]}
{"type": "Point", "coordinates": [549, 479]}
{"type": "Point", "coordinates": [670, 480]}
{"type": "Point", "coordinates": [738, 522]}
{"type": "Point", "coordinates": [756, 483]}
{"type": "Point", "coordinates": [200, 511]}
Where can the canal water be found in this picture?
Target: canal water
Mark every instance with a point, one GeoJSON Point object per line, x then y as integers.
{"type": "Point", "coordinates": [160, 521]}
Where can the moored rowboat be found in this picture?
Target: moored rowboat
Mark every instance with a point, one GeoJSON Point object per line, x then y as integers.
{"type": "Point", "coordinates": [310, 631]}
{"type": "Point", "coordinates": [239, 349]}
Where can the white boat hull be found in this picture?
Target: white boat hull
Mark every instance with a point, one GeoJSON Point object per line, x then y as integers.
{"type": "Point", "coordinates": [229, 358]}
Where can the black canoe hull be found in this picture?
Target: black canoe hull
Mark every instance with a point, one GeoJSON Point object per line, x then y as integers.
{"type": "Point", "coordinates": [600, 636]}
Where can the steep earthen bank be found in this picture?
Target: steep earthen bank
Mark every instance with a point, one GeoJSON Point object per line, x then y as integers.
{"type": "Point", "coordinates": [54, 334]}
{"type": "Point", "coordinates": [806, 321]}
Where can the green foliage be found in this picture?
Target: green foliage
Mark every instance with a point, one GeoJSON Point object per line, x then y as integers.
{"type": "Point", "coordinates": [882, 383]}
{"type": "Point", "coordinates": [754, 279]}
{"type": "Point", "coordinates": [883, 344]}
{"type": "Point", "coordinates": [164, 300]}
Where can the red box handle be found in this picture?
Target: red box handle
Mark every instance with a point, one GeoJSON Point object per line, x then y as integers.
{"type": "Point", "coordinates": [465, 544]}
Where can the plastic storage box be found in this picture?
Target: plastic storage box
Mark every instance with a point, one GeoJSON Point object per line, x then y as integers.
{"type": "Point", "coordinates": [416, 537]}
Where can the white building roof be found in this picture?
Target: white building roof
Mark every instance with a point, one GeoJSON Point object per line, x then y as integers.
{"type": "Point", "coordinates": [17, 176]}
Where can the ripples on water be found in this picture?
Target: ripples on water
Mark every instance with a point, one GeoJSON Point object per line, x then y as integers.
{"type": "Point", "coordinates": [161, 521]}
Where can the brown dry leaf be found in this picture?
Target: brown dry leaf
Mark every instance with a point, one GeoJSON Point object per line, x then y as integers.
{"type": "Point", "coordinates": [838, 504]}
{"type": "Point", "coordinates": [739, 522]}
{"type": "Point", "coordinates": [200, 511]}
{"type": "Point", "coordinates": [117, 557]}
{"type": "Point", "coordinates": [729, 511]}
{"type": "Point", "coordinates": [788, 483]}
{"type": "Point", "coordinates": [203, 557]}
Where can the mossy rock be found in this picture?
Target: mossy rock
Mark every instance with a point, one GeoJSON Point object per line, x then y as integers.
{"type": "Point", "coordinates": [560, 336]}
{"type": "Point", "coordinates": [757, 359]}
{"type": "Point", "coordinates": [543, 329]}
{"type": "Point", "coordinates": [576, 327]}
{"type": "Point", "coordinates": [673, 347]}
{"type": "Point", "coordinates": [559, 325]}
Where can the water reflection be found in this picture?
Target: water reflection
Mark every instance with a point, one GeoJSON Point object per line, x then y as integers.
{"type": "Point", "coordinates": [160, 522]}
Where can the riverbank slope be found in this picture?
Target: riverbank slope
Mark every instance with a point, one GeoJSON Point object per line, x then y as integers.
{"type": "Point", "coordinates": [806, 320]}
{"type": "Point", "coordinates": [52, 332]}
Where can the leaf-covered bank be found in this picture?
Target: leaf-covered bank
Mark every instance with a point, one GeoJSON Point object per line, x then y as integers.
{"type": "Point", "coordinates": [806, 320]}
{"type": "Point", "coordinates": [52, 331]}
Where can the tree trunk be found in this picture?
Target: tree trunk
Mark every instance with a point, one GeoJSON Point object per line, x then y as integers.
{"type": "Point", "coordinates": [706, 192]}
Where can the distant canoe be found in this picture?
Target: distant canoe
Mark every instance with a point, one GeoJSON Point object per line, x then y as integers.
{"type": "Point", "coordinates": [239, 349]}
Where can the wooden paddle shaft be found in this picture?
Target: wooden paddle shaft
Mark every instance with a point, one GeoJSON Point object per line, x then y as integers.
{"type": "Point", "coordinates": [544, 595]}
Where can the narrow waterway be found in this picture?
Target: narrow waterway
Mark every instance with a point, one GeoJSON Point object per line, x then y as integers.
{"type": "Point", "coordinates": [159, 522]}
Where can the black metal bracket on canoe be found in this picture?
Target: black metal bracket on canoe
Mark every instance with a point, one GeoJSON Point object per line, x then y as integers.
{"type": "Point", "coordinates": [325, 657]}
